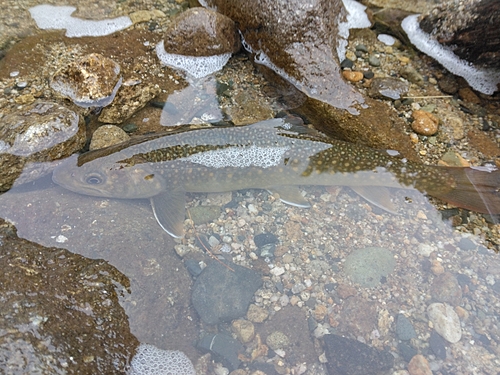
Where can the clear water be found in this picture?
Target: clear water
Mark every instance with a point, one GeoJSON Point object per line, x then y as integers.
{"type": "Point", "coordinates": [306, 279]}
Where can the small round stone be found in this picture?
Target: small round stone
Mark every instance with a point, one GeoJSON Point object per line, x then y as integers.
{"type": "Point", "coordinates": [374, 60]}
{"type": "Point", "coordinates": [424, 123]}
{"type": "Point", "coordinates": [352, 76]}
{"type": "Point", "coordinates": [347, 63]}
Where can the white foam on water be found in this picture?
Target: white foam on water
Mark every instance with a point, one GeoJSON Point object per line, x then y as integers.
{"type": "Point", "coordinates": [196, 66]}
{"type": "Point", "coordinates": [356, 19]}
{"type": "Point", "coordinates": [482, 80]}
{"type": "Point", "coordinates": [59, 17]}
{"type": "Point", "coordinates": [150, 360]}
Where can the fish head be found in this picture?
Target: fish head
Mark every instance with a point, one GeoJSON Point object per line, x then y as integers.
{"type": "Point", "coordinates": [102, 177]}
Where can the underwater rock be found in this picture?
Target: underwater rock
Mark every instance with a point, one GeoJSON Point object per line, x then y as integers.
{"type": "Point", "coordinates": [445, 288]}
{"type": "Point", "coordinates": [404, 328]}
{"type": "Point", "coordinates": [107, 135]}
{"type": "Point", "coordinates": [377, 126]}
{"type": "Point", "coordinates": [388, 88]}
{"type": "Point", "coordinates": [300, 41]}
{"type": "Point", "coordinates": [223, 347]}
{"type": "Point", "coordinates": [60, 311]}
{"type": "Point", "coordinates": [446, 321]}
{"type": "Point", "coordinates": [132, 96]}
{"type": "Point", "coordinates": [222, 294]}
{"type": "Point", "coordinates": [358, 316]}
{"type": "Point", "coordinates": [199, 41]}
{"type": "Point", "coordinates": [40, 133]}
{"type": "Point", "coordinates": [367, 266]}
{"type": "Point", "coordinates": [351, 357]}
{"type": "Point", "coordinates": [90, 81]}
{"type": "Point", "coordinates": [424, 123]}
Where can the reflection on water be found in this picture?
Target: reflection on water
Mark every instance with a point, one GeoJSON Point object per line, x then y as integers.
{"type": "Point", "coordinates": [414, 289]}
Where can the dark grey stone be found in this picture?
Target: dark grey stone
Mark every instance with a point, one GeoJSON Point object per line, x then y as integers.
{"type": "Point", "coordinates": [223, 292]}
{"type": "Point", "coordinates": [404, 328]}
{"type": "Point", "coordinates": [351, 357]}
{"type": "Point", "coordinates": [406, 351]}
{"type": "Point", "coordinates": [223, 347]}
{"type": "Point", "coordinates": [438, 345]}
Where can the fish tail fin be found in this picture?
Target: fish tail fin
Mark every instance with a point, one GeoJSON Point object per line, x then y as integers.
{"type": "Point", "coordinates": [473, 189]}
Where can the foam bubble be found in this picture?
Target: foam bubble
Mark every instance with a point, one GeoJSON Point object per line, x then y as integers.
{"type": "Point", "coordinates": [483, 80]}
{"type": "Point", "coordinates": [59, 17]}
{"type": "Point", "coordinates": [240, 157]}
{"type": "Point", "coordinates": [196, 66]}
{"type": "Point", "coordinates": [150, 360]}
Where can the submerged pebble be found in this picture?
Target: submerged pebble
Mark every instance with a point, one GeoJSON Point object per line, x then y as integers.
{"type": "Point", "coordinates": [424, 123]}
{"type": "Point", "coordinates": [367, 266]}
{"type": "Point", "coordinates": [445, 321]}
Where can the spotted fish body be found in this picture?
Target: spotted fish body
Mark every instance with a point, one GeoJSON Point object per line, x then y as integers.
{"type": "Point", "coordinates": [272, 155]}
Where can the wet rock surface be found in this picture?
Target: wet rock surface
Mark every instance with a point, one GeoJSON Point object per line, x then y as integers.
{"type": "Point", "coordinates": [224, 291]}
{"type": "Point", "coordinates": [60, 311]}
{"type": "Point", "coordinates": [127, 236]}
{"type": "Point", "coordinates": [132, 96]}
{"type": "Point", "coordinates": [445, 288]}
{"type": "Point", "coordinates": [90, 81]}
{"type": "Point", "coordinates": [37, 134]}
{"type": "Point", "coordinates": [201, 32]}
{"type": "Point", "coordinates": [391, 88]}
{"type": "Point", "coordinates": [468, 28]}
{"type": "Point", "coordinates": [351, 357]}
{"type": "Point", "coordinates": [306, 59]}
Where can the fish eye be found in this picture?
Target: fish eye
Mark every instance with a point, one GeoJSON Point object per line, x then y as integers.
{"type": "Point", "coordinates": [94, 179]}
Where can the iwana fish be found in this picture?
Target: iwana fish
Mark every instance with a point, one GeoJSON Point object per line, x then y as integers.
{"type": "Point", "coordinates": [273, 155]}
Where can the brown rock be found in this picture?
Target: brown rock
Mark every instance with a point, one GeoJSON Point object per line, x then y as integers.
{"type": "Point", "coordinates": [107, 135]}
{"type": "Point", "coordinates": [39, 133]}
{"type": "Point", "coordinates": [201, 32]}
{"type": "Point", "coordinates": [256, 314]}
{"type": "Point", "coordinates": [358, 316]}
{"type": "Point", "coordinates": [468, 95]}
{"type": "Point", "coordinates": [424, 123]}
{"type": "Point", "coordinates": [376, 126]}
{"type": "Point", "coordinates": [445, 288]}
{"type": "Point", "coordinates": [46, 298]}
{"type": "Point", "coordinates": [483, 143]}
{"type": "Point", "coordinates": [272, 30]}
{"type": "Point", "coordinates": [419, 366]}
{"type": "Point", "coordinates": [469, 28]}
{"type": "Point", "coordinates": [352, 76]}
{"type": "Point", "coordinates": [128, 100]}
{"type": "Point", "coordinates": [89, 81]}
{"type": "Point", "coordinates": [448, 84]}
{"type": "Point", "coordinates": [244, 330]}
{"type": "Point", "coordinates": [345, 291]}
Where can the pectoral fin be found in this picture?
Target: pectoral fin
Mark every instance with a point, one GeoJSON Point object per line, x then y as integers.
{"type": "Point", "coordinates": [170, 211]}
{"type": "Point", "coordinates": [290, 195]}
{"type": "Point", "coordinates": [378, 196]}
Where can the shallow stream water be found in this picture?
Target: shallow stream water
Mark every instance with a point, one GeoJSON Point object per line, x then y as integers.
{"type": "Point", "coordinates": [342, 266]}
